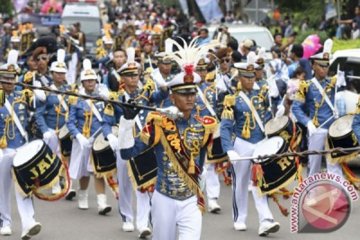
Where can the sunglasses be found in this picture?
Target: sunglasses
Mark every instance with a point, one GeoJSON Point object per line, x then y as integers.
{"type": "Point", "coordinates": [225, 60]}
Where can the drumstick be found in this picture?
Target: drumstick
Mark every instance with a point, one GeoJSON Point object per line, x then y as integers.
{"type": "Point", "coordinates": [47, 89]}
{"type": "Point", "coordinates": [294, 154]}
{"type": "Point", "coordinates": [325, 122]}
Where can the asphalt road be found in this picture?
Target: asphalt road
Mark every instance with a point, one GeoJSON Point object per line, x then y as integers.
{"type": "Point", "coordinates": [63, 220]}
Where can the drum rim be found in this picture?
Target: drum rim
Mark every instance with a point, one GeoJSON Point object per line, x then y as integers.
{"type": "Point", "coordinates": [332, 126]}
{"type": "Point", "coordinates": [276, 119]}
{"type": "Point", "coordinates": [267, 159]}
{"type": "Point", "coordinates": [32, 157]}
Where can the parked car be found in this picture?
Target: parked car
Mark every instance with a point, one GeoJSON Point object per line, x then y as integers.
{"type": "Point", "coordinates": [349, 62]}
{"type": "Point", "coordinates": [261, 35]}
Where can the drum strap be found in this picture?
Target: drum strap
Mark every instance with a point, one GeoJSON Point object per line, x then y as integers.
{"type": "Point", "coordinates": [207, 105]}
{"type": "Point", "coordinates": [16, 119]}
{"type": "Point", "coordinates": [94, 110]}
{"type": "Point", "coordinates": [323, 93]}
{"type": "Point", "coordinates": [137, 119]}
{"type": "Point", "coordinates": [61, 99]}
{"type": "Point", "coordinates": [253, 110]}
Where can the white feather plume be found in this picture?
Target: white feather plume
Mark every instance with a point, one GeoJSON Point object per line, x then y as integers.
{"type": "Point", "coordinates": [86, 64]}
{"type": "Point", "coordinates": [262, 53]}
{"type": "Point", "coordinates": [12, 57]}
{"type": "Point", "coordinates": [130, 52]}
{"type": "Point", "coordinates": [328, 44]}
{"type": "Point", "coordinates": [61, 55]}
{"type": "Point", "coordinates": [251, 58]}
{"type": "Point", "coordinates": [188, 54]}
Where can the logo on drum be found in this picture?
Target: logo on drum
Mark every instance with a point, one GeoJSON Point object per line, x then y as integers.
{"type": "Point", "coordinates": [321, 204]}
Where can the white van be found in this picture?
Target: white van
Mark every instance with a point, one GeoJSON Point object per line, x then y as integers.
{"type": "Point", "coordinates": [87, 13]}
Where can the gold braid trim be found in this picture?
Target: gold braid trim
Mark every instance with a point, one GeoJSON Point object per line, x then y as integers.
{"type": "Point", "coordinates": [146, 185]}
{"type": "Point", "coordinates": [193, 186]}
{"type": "Point", "coordinates": [301, 92]}
{"type": "Point", "coordinates": [228, 112]}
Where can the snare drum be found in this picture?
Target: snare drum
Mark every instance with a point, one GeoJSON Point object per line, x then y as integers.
{"type": "Point", "coordinates": [277, 172]}
{"type": "Point", "coordinates": [342, 135]}
{"type": "Point", "coordinates": [36, 167]}
{"type": "Point", "coordinates": [65, 141]}
{"type": "Point", "coordinates": [104, 159]}
{"type": "Point", "coordinates": [284, 127]}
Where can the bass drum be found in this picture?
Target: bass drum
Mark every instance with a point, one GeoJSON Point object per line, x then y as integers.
{"type": "Point", "coordinates": [103, 157]}
{"type": "Point", "coordinates": [275, 172]}
{"type": "Point", "coordinates": [37, 168]}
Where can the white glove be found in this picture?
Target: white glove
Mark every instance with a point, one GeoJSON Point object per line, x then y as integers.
{"type": "Point", "coordinates": [233, 156]}
{"type": "Point", "coordinates": [39, 94]}
{"type": "Point", "coordinates": [1, 154]}
{"type": "Point", "coordinates": [126, 132]}
{"type": "Point", "coordinates": [113, 142]}
{"type": "Point", "coordinates": [280, 111]}
{"type": "Point", "coordinates": [311, 128]}
{"type": "Point", "coordinates": [273, 89]}
{"type": "Point", "coordinates": [47, 135]}
{"type": "Point", "coordinates": [83, 141]}
{"type": "Point", "coordinates": [171, 112]}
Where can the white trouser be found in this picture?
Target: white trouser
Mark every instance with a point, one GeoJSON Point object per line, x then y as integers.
{"type": "Point", "coordinates": [212, 182]}
{"type": "Point", "coordinates": [241, 179]}
{"type": "Point", "coordinates": [26, 210]}
{"type": "Point", "coordinates": [79, 160]}
{"type": "Point", "coordinates": [125, 197]}
{"type": "Point", "coordinates": [317, 142]}
{"type": "Point", "coordinates": [5, 186]}
{"type": "Point", "coordinates": [53, 143]}
{"type": "Point", "coordinates": [168, 213]}
{"type": "Point", "coordinates": [25, 205]}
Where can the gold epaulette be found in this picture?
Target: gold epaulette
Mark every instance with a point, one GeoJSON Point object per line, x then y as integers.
{"type": "Point", "coordinates": [301, 92]}
{"type": "Point", "coordinates": [2, 98]}
{"type": "Point", "coordinates": [113, 95]}
{"type": "Point", "coordinates": [333, 81]}
{"type": "Point", "coordinates": [229, 100]}
{"type": "Point", "coordinates": [74, 88]}
{"type": "Point", "coordinates": [28, 77]}
{"type": "Point", "coordinates": [228, 112]}
{"type": "Point", "coordinates": [73, 100]}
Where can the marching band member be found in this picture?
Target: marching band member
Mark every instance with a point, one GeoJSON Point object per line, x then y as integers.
{"type": "Point", "coordinates": [212, 183]}
{"type": "Point", "coordinates": [52, 113]}
{"type": "Point", "coordinates": [84, 123]}
{"type": "Point", "coordinates": [180, 145]}
{"type": "Point", "coordinates": [119, 59]}
{"type": "Point", "coordinates": [129, 73]}
{"type": "Point", "coordinates": [245, 115]}
{"type": "Point", "coordinates": [14, 116]}
{"type": "Point", "coordinates": [314, 107]}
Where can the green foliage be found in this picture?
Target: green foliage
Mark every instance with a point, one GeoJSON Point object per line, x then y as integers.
{"type": "Point", "coordinates": [345, 44]}
{"type": "Point", "coordinates": [6, 7]}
